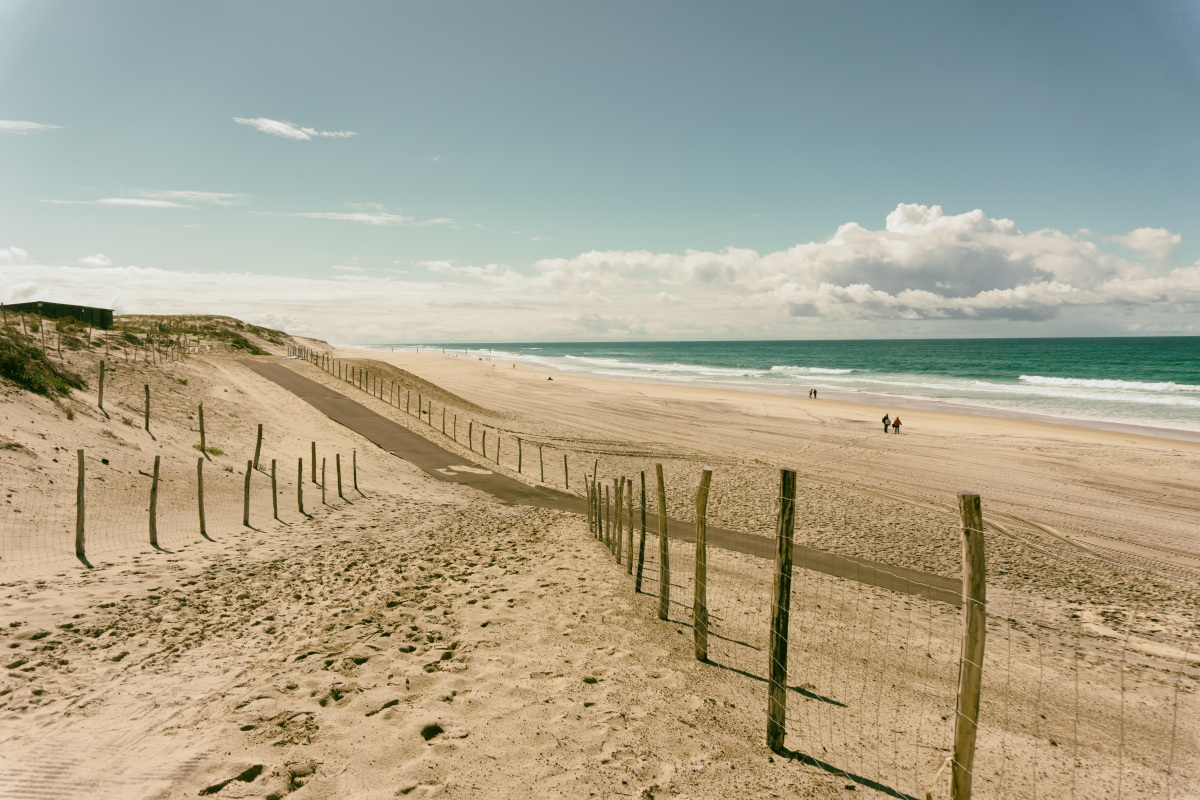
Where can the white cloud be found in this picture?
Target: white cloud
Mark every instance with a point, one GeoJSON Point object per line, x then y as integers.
{"type": "Point", "coordinates": [923, 272]}
{"type": "Point", "coordinates": [1158, 243]}
{"type": "Point", "coordinates": [98, 260]}
{"type": "Point", "coordinates": [429, 223]}
{"type": "Point", "coordinates": [368, 217]}
{"type": "Point", "coordinates": [131, 202]}
{"type": "Point", "coordinates": [189, 196]}
{"type": "Point", "coordinates": [288, 130]}
{"type": "Point", "coordinates": [21, 126]}
{"type": "Point", "coordinates": [14, 257]}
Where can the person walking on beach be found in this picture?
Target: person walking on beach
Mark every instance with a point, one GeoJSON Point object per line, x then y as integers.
{"type": "Point", "coordinates": [896, 425]}
{"type": "Point", "coordinates": [887, 420]}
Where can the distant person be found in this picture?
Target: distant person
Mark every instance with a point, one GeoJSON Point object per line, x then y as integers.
{"type": "Point", "coordinates": [887, 420]}
{"type": "Point", "coordinates": [814, 394]}
{"type": "Point", "coordinates": [896, 425]}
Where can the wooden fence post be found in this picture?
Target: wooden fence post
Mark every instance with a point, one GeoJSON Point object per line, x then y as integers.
{"type": "Point", "coordinates": [519, 455]}
{"type": "Point", "coordinates": [587, 491]}
{"type": "Point", "coordinates": [629, 524]}
{"type": "Point", "coordinates": [664, 551]}
{"type": "Point", "coordinates": [700, 584]}
{"type": "Point", "coordinates": [100, 397]}
{"type": "Point", "coordinates": [607, 537]}
{"type": "Point", "coordinates": [200, 493]}
{"type": "Point", "coordinates": [484, 445]}
{"type": "Point", "coordinates": [337, 463]}
{"type": "Point", "coordinates": [456, 427]}
{"type": "Point", "coordinates": [498, 439]}
{"type": "Point", "coordinates": [354, 469]}
{"type": "Point", "coordinates": [970, 669]}
{"type": "Point", "coordinates": [408, 403]}
{"type": "Point", "coordinates": [246, 495]}
{"type": "Point", "coordinates": [566, 475]}
{"type": "Point", "coordinates": [258, 446]}
{"type": "Point", "coordinates": [274, 493]}
{"type": "Point", "coordinates": [443, 420]}
{"type": "Point", "coordinates": [641, 559]}
{"type": "Point", "coordinates": [781, 612]}
{"type": "Point", "coordinates": [203, 445]}
{"type": "Point", "coordinates": [79, 509]}
{"type": "Point", "coordinates": [541, 466]}
{"type": "Point", "coordinates": [614, 545]}
{"type": "Point", "coordinates": [147, 408]}
{"type": "Point", "coordinates": [314, 462]}
{"type": "Point", "coordinates": [154, 505]}
{"type": "Point", "coordinates": [471, 436]}
{"type": "Point", "coordinates": [323, 481]}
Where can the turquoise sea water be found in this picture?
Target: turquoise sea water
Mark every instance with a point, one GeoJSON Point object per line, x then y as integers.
{"type": "Point", "coordinates": [1149, 381]}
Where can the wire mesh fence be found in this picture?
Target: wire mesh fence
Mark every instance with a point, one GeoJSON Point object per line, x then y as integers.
{"type": "Point", "coordinates": [1078, 695]}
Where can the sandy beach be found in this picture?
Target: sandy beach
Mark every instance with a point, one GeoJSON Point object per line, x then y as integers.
{"type": "Point", "coordinates": [421, 638]}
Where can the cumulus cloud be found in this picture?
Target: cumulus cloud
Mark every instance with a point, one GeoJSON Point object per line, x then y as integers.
{"type": "Point", "coordinates": [921, 272]}
{"type": "Point", "coordinates": [288, 130]}
{"type": "Point", "coordinates": [22, 126]}
{"type": "Point", "coordinates": [98, 260]}
{"type": "Point", "coordinates": [1158, 243]}
{"type": "Point", "coordinates": [923, 264]}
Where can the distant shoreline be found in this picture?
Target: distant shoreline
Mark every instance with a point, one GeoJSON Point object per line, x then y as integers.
{"type": "Point", "coordinates": [857, 398]}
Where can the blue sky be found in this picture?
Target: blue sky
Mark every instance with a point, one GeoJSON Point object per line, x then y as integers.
{"type": "Point", "coordinates": [608, 170]}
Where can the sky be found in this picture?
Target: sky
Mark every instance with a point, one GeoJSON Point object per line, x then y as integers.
{"type": "Point", "coordinates": [374, 172]}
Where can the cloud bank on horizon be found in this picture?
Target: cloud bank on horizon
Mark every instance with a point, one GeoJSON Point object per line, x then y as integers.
{"type": "Point", "coordinates": [924, 273]}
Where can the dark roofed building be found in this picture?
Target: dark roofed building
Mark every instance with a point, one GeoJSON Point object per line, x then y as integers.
{"type": "Point", "coordinates": [89, 315]}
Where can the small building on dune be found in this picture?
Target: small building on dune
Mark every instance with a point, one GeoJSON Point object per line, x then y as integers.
{"type": "Point", "coordinates": [89, 315]}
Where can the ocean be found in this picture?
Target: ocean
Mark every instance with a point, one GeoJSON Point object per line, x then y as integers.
{"type": "Point", "coordinates": [1144, 381]}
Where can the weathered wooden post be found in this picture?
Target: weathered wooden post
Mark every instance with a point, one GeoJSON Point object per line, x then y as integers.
{"type": "Point", "coordinates": [203, 445]}
{"type": "Point", "coordinates": [100, 393]}
{"type": "Point", "coordinates": [471, 436]}
{"type": "Point", "coordinates": [781, 613]}
{"type": "Point", "coordinates": [455, 437]}
{"type": "Point", "coordinates": [700, 584]}
{"type": "Point", "coordinates": [484, 445]}
{"type": "Point", "coordinates": [629, 524]}
{"type": "Point", "coordinates": [300, 486]}
{"type": "Point", "coordinates": [664, 551]}
{"type": "Point", "coordinates": [337, 463]}
{"type": "Point", "coordinates": [970, 669]}
{"type": "Point", "coordinates": [246, 495]}
{"type": "Point", "coordinates": [542, 466]}
{"type": "Point", "coordinates": [154, 505]}
{"type": "Point", "coordinates": [258, 446]}
{"type": "Point", "coordinates": [200, 493]}
{"type": "Point", "coordinates": [587, 491]}
{"type": "Point", "coordinates": [408, 402]}
{"type": "Point", "coordinates": [566, 474]}
{"type": "Point", "coordinates": [274, 493]}
{"type": "Point", "coordinates": [498, 440]}
{"type": "Point", "coordinates": [314, 463]}
{"type": "Point", "coordinates": [79, 507]}
{"type": "Point", "coordinates": [519, 455]}
{"type": "Point", "coordinates": [614, 544]}
{"type": "Point", "coordinates": [147, 408]}
{"type": "Point", "coordinates": [641, 559]}
{"type": "Point", "coordinates": [443, 420]}
{"type": "Point", "coordinates": [354, 469]}
{"type": "Point", "coordinates": [607, 538]}
{"type": "Point", "coordinates": [323, 481]}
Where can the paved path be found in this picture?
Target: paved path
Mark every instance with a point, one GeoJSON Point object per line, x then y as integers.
{"type": "Point", "coordinates": [445, 465]}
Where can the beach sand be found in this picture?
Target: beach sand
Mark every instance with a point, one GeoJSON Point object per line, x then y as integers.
{"type": "Point", "coordinates": [425, 639]}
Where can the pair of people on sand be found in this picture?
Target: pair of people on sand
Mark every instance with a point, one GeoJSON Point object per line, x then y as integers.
{"type": "Point", "coordinates": [812, 393]}
{"type": "Point", "coordinates": [895, 423]}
